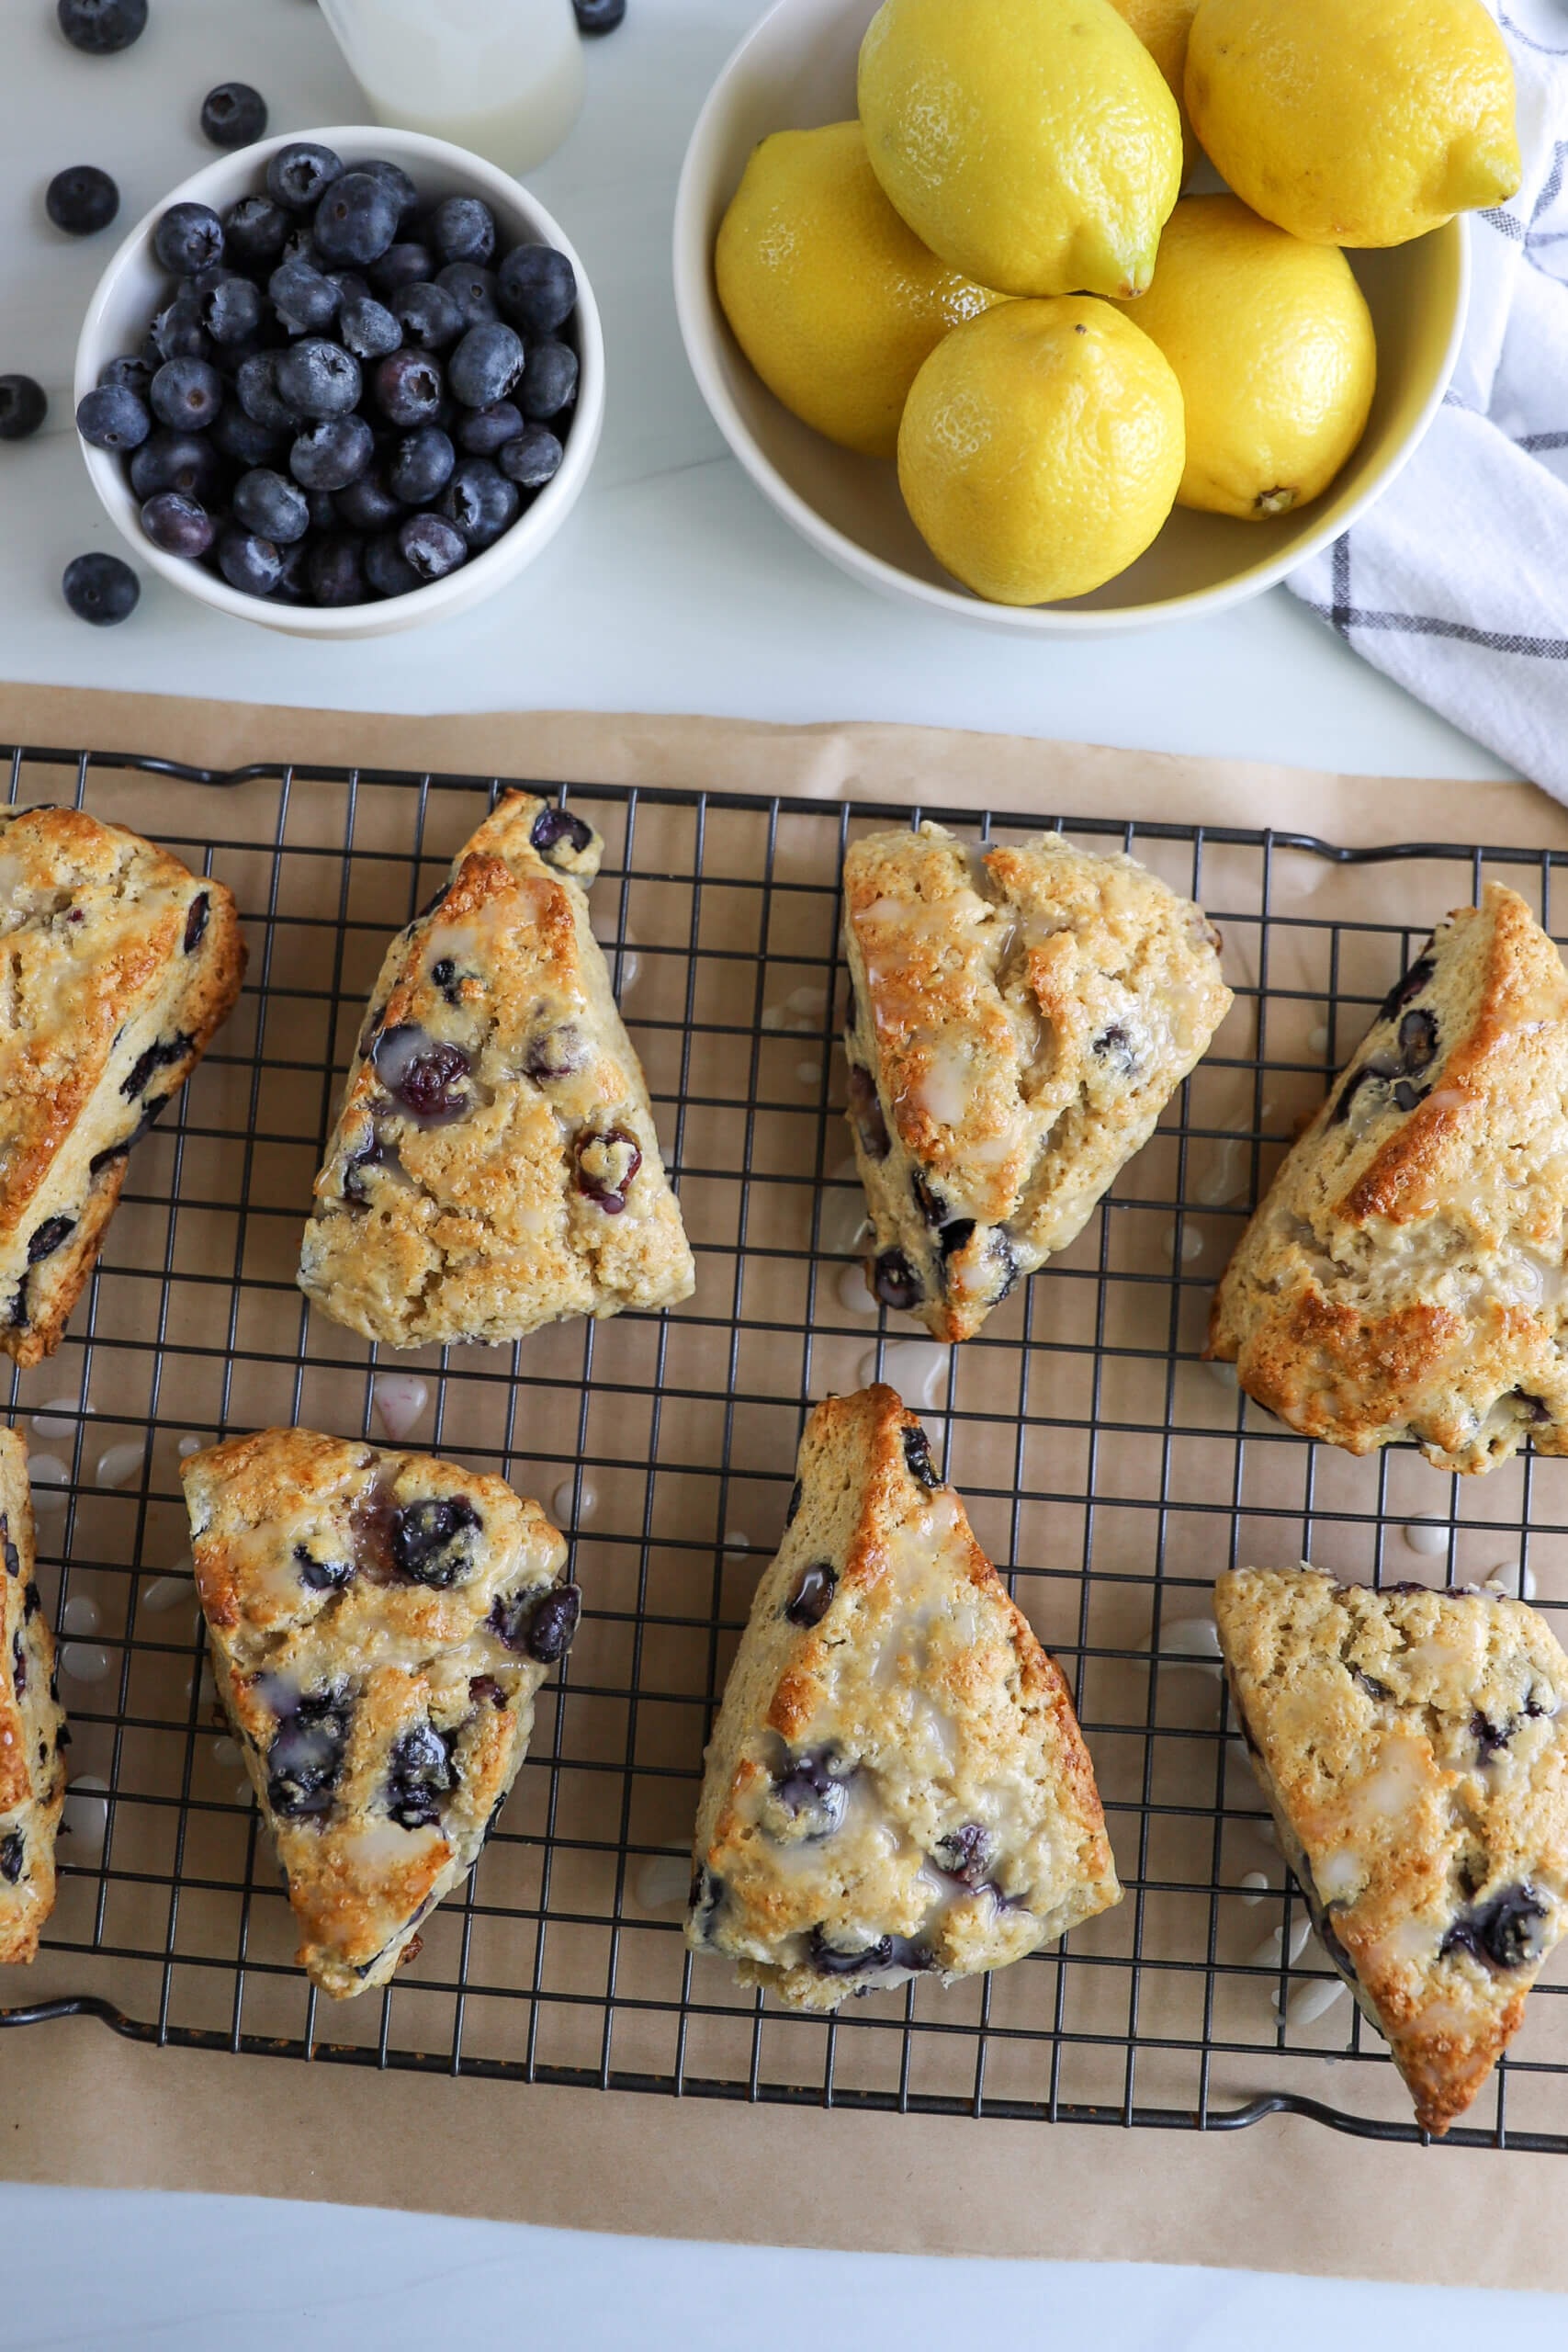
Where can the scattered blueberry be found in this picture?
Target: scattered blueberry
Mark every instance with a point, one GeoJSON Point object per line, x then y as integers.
{"type": "Point", "coordinates": [271, 506]}
{"type": "Point", "coordinates": [336, 570]}
{"type": "Point", "coordinates": [356, 219]}
{"type": "Point", "coordinates": [433, 1542]}
{"type": "Point", "coordinates": [407, 387]}
{"type": "Point", "coordinates": [234, 114]}
{"type": "Point", "coordinates": [112, 418]}
{"type": "Point", "coordinates": [485, 431]}
{"type": "Point", "coordinates": [101, 26]}
{"type": "Point", "coordinates": [367, 327]}
{"type": "Point", "coordinates": [100, 589]}
{"type": "Point", "coordinates": [479, 501]}
{"type": "Point", "coordinates": [366, 504]}
{"type": "Point", "coordinates": [420, 466]}
{"type": "Point", "coordinates": [463, 229]}
{"type": "Point", "coordinates": [432, 546]}
{"type": "Point", "coordinates": [299, 174]}
{"type": "Point", "coordinates": [187, 238]}
{"type": "Point", "coordinates": [178, 525]}
{"type": "Point", "coordinates": [486, 364]}
{"type": "Point", "coordinates": [332, 452]}
{"type": "Point", "coordinates": [549, 381]}
{"type": "Point", "coordinates": [599, 16]}
{"type": "Point", "coordinates": [406, 263]}
{"type": "Point", "coordinates": [537, 288]}
{"type": "Point", "coordinates": [428, 314]}
{"type": "Point", "coordinates": [231, 311]}
{"type": "Point", "coordinates": [255, 232]}
{"type": "Point", "coordinates": [249, 563]}
{"type": "Point", "coordinates": [184, 461]}
{"type": "Point", "coordinates": [318, 378]}
{"type": "Point", "coordinates": [186, 394]}
{"type": "Point", "coordinates": [82, 200]}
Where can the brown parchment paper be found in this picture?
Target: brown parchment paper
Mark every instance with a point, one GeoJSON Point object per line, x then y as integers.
{"type": "Point", "coordinates": [78, 2104]}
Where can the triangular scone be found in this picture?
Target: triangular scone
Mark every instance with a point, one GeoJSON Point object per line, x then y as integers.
{"type": "Point", "coordinates": [1018, 1020]}
{"type": "Point", "coordinates": [33, 1734]}
{"type": "Point", "coordinates": [120, 965]}
{"type": "Point", "coordinates": [1414, 1748]}
{"type": "Point", "coordinates": [896, 1783]}
{"type": "Point", "coordinates": [1404, 1277]}
{"type": "Point", "coordinates": [494, 1164]}
{"type": "Point", "coordinates": [380, 1624]}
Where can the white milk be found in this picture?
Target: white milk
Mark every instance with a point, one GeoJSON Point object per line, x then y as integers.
{"type": "Point", "coordinates": [503, 77]}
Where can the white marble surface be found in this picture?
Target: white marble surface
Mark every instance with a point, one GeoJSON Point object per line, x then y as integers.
{"type": "Point", "coordinates": [674, 589]}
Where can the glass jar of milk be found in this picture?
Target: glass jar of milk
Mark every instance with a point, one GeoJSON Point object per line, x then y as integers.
{"type": "Point", "coordinates": [503, 77]}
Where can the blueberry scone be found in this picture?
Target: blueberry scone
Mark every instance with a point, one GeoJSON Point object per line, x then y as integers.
{"type": "Point", "coordinates": [1404, 1275]}
{"type": "Point", "coordinates": [380, 1624]}
{"type": "Point", "coordinates": [1018, 1020]}
{"type": "Point", "coordinates": [896, 1784]}
{"type": "Point", "coordinates": [33, 1734]}
{"type": "Point", "coordinates": [119, 967]}
{"type": "Point", "coordinates": [494, 1164]}
{"type": "Point", "coordinates": [1413, 1749]}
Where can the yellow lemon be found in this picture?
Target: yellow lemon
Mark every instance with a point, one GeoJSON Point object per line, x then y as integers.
{"type": "Point", "coordinates": [1041, 448]}
{"type": "Point", "coordinates": [834, 301]}
{"type": "Point", "coordinates": [1162, 25]}
{"type": "Point", "coordinates": [1272, 345]}
{"type": "Point", "coordinates": [1030, 143]}
{"type": "Point", "coordinates": [1355, 122]}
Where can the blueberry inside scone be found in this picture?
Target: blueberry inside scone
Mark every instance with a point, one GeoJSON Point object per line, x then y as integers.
{"type": "Point", "coordinates": [1017, 1021]}
{"type": "Point", "coordinates": [34, 1736]}
{"type": "Point", "coordinates": [380, 1624]}
{"type": "Point", "coordinates": [897, 1784]}
{"type": "Point", "coordinates": [120, 966]}
{"type": "Point", "coordinates": [494, 1164]}
{"type": "Point", "coordinates": [1404, 1275]}
{"type": "Point", "coordinates": [1414, 1748]}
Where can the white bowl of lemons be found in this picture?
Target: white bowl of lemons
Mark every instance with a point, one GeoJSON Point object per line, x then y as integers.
{"type": "Point", "coordinates": [1167, 405]}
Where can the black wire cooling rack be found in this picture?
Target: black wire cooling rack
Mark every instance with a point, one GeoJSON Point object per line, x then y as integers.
{"type": "Point", "coordinates": [1107, 1470]}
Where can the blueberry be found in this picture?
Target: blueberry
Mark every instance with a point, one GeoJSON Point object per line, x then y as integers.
{"type": "Point", "coordinates": [100, 589]}
{"type": "Point", "coordinates": [367, 327]}
{"type": "Point", "coordinates": [231, 311]}
{"type": "Point", "coordinates": [484, 432]}
{"type": "Point", "coordinates": [306, 1756]}
{"type": "Point", "coordinates": [422, 1770]}
{"type": "Point", "coordinates": [299, 175]}
{"type": "Point", "coordinates": [322, 1575]}
{"type": "Point", "coordinates": [865, 1109]}
{"type": "Point", "coordinates": [184, 461]}
{"type": "Point", "coordinates": [479, 501]}
{"type": "Point", "coordinates": [12, 1556]}
{"type": "Point", "coordinates": [797, 1497]}
{"type": "Point", "coordinates": [404, 193]}
{"type": "Point", "coordinates": [13, 1855]}
{"type": "Point", "coordinates": [533, 458]}
{"type": "Point", "coordinates": [365, 504]}
{"type": "Point", "coordinates": [918, 1458]}
{"type": "Point", "coordinates": [336, 570]}
{"type": "Point", "coordinates": [128, 373]}
{"type": "Point", "coordinates": [552, 1055]}
{"type": "Point", "coordinates": [599, 16]}
{"type": "Point", "coordinates": [332, 452]}
{"type": "Point", "coordinates": [421, 1074]}
{"type": "Point", "coordinates": [1417, 1039]}
{"type": "Point", "coordinates": [433, 1542]}
{"type": "Point", "coordinates": [255, 381]}
{"type": "Point", "coordinates": [112, 418]}
{"type": "Point", "coordinates": [304, 297]}
{"type": "Point", "coordinates": [431, 545]}
{"type": "Point", "coordinates": [100, 27]}
{"type": "Point", "coordinates": [407, 387]}
{"type": "Point", "coordinates": [186, 394]}
{"type": "Point", "coordinates": [319, 378]}
{"type": "Point", "coordinates": [420, 466]}
{"type": "Point", "coordinates": [552, 827]}
{"type": "Point", "coordinates": [811, 1594]}
{"type": "Point", "coordinates": [82, 201]}
{"type": "Point", "coordinates": [604, 1160]}
{"type": "Point", "coordinates": [44, 1240]}
{"type": "Point", "coordinates": [1503, 1933]}
{"type": "Point", "coordinates": [1414, 981]}
{"type": "Point", "coordinates": [896, 1283]}
{"type": "Point", "coordinates": [486, 364]}
{"type": "Point", "coordinates": [234, 114]}
{"type": "Point", "coordinates": [472, 287]}
{"type": "Point", "coordinates": [462, 229]}
{"type": "Point", "coordinates": [540, 1626]}
{"type": "Point", "coordinates": [356, 219]}
{"type": "Point", "coordinates": [406, 263]}
{"type": "Point", "coordinates": [292, 585]}
{"type": "Point", "coordinates": [269, 504]}
{"type": "Point", "coordinates": [321, 506]}
{"type": "Point", "coordinates": [196, 920]}
{"type": "Point", "coordinates": [249, 563]}
{"type": "Point", "coordinates": [967, 1853]}
{"type": "Point", "coordinates": [178, 329]}
{"type": "Point", "coordinates": [178, 525]}
{"type": "Point", "coordinates": [538, 287]}
{"type": "Point", "coordinates": [254, 234]}
{"type": "Point", "coordinates": [386, 568]}
{"type": "Point", "coordinates": [887, 1951]}
{"type": "Point", "coordinates": [428, 314]}
{"type": "Point", "coordinates": [549, 381]}
{"type": "Point", "coordinates": [187, 238]}
{"type": "Point", "coordinates": [703, 1900]}
{"type": "Point", "coordinates": [18, 1663]}
{"type": "Point", "coordinates": [813, 1793]}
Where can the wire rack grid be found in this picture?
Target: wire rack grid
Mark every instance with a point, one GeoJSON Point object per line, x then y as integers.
{"type": "Point", "coordinates": [1106, 1469]}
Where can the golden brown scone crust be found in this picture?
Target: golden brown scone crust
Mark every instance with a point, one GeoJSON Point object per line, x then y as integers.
{"type": "Point", "coordinates": [896, 1784]}
{"type": "Point", "coordinates": [103, 1014]}
{"type": "Point", "coordinates": [33, 1735]}
{"type": "Point", "coordinates": [474, 1225]}
{"type": "Point", "coordinates": [1414, 1748]}
{"type": "Point", "coordinates": [1404, 1275]}
{"type": "Point", "coordinates": [383, 1718]}
{"type": "Point", "coordinates": [1018, 1019]}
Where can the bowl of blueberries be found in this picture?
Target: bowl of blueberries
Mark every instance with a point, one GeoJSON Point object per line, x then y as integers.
{"type": "Point", "coordinates": [342, 384]}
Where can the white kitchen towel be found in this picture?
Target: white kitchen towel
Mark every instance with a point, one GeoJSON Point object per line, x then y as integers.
{"type": "Point", "coordinates": [1456, 582]}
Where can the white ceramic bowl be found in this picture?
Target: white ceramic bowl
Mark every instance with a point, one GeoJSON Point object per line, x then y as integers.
{"type": "Point", "coordinates": [796, 70]}
{"type": "Point", "coordinates": [135, 284]}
